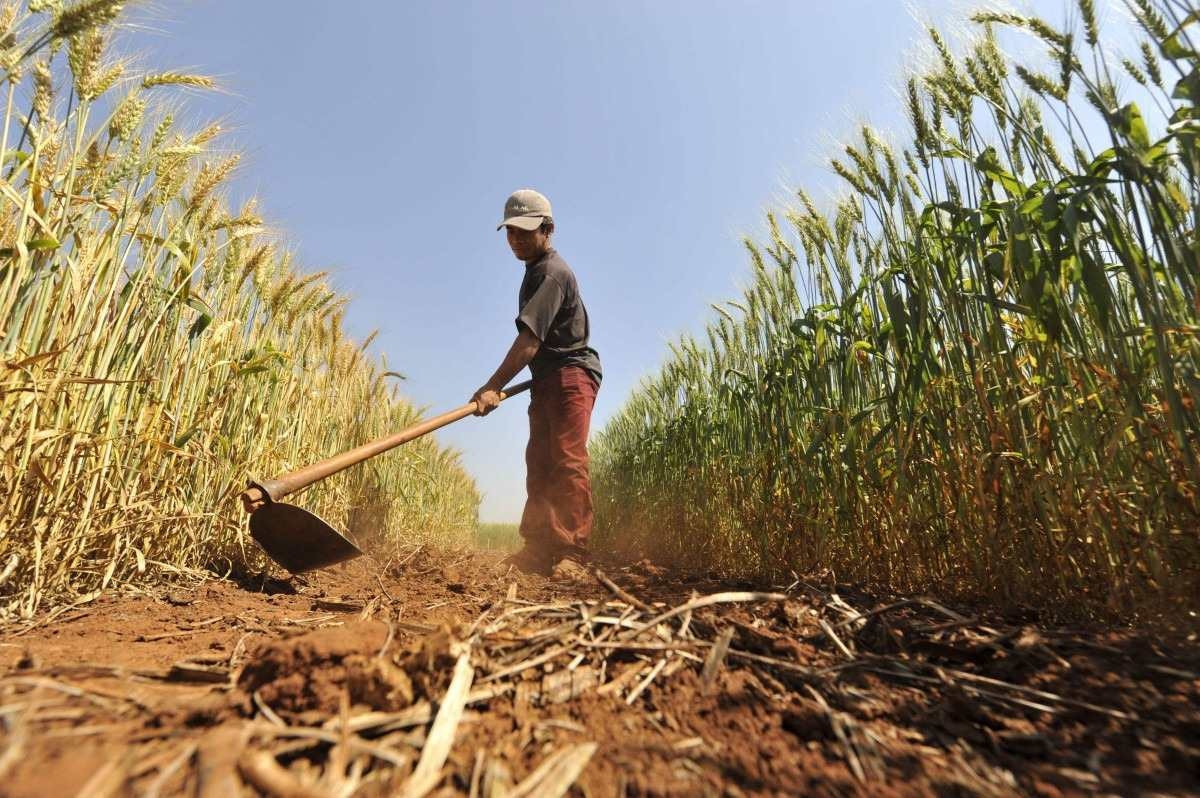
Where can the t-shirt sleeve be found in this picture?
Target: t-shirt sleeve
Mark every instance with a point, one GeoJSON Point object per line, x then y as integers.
{"type": "Point", "coordinates": [543, 305]}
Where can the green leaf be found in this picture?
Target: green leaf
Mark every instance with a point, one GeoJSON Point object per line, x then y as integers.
{"type": "Point", "coordinates": [988, 162]}
{"type": "Point", "coordinates": [802, 327]}
{"type": "Point", "coordinates": [822, 435]}
{"type": "Point", "coordinates": [245, 372]}
{"type": "Point", "coordinates": [995, 264]}
{"type": "Point", "coordinates": [199, 325]}
{"type": "Point", "coordinates": [1024, 310]}
{"type": "Point", "coordinates": [206, 315]}
{"type": "Point", "coordinates": [1033, 206]}
{"type": "Point", "coordinates": [169, 246]}
{"type": "Point", "coordinates": [1174, 46]}
{"type": "Point", "coordinates": [1133, 126]}
{"type": "Point", "coordinates": [46, 242]}
{"type": "Point", "coordinates": [199, 305]}
{"type": "Point", "coordinates": [1070, 219]}
{"type": "Point", "coordinates": [1188, 87]}
{"type": "Point", "coordinates": [899, 319]}
{"type": "Point", "coordinates": [1095, 282]}
{"type": "Point", "coordinates": [182, 440]}
{"type": "Point", "coordinates": [879, 436]}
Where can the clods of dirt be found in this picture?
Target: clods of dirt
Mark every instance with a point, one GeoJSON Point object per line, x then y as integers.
{"type": "Point", "coordinates": [308, 673]}
{"type": "Point", "coordinates": [311, 671]}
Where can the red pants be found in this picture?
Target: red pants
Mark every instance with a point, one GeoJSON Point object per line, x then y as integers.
{"type": "Point", "coordinates": [558, 510]}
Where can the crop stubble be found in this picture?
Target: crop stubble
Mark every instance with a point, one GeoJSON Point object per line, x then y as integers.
{"type": "Point", "coordinates": [707, 688]}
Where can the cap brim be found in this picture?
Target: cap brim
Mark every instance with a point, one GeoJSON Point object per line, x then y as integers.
{"type": "Point", "coordinates": [522, 222]}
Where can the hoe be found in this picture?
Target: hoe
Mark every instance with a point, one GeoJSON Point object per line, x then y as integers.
{"type": "Point", "coordinates": [299, 540]}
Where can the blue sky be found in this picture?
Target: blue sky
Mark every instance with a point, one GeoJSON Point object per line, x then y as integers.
{"type": "Point", "coordinates": [383, 137]}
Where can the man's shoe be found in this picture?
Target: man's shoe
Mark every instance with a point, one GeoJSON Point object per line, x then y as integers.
{"type": "Point", "coordinates": [531, 560]}
{"type": "Point", "coordinates": [572, 567]}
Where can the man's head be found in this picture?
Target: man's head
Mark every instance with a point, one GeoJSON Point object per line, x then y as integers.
{"type": "Point", "coordinates": [529, 223]}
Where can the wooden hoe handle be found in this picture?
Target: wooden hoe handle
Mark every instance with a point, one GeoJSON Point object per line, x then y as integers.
{"type": "Point", "coordinates": [259, 491]}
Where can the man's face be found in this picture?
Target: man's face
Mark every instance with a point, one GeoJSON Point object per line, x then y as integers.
{"type": "Point", "coordinates": [527, 245]}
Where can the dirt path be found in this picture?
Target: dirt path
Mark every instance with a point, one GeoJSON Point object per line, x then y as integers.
{"type": "Point", "coordinates": [449, 673]}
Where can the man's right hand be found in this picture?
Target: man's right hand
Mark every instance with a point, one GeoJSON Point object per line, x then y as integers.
{"type": "Point", "coordinates": [486, 400]}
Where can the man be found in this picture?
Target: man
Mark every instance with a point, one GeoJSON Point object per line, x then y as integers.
{"type": "Point", "coordinates": [552, 339]}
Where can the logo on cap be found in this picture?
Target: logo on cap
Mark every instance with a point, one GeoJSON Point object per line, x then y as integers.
{"type": "Point", "coordinates": [526, 209]}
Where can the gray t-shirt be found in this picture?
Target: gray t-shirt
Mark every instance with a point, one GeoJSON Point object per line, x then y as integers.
{"type": "Point", "coordinates": [551, 307]}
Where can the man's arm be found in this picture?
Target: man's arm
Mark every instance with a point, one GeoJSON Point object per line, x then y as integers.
{"type": "Point", "coordinates": [523, 348]}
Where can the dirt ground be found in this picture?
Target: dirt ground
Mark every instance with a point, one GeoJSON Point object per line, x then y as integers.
{"type": "Point", "coordinates": [447, 673]}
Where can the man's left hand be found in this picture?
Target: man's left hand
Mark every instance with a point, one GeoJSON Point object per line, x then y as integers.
{"type": "Point", "coordinates": [486, 400]}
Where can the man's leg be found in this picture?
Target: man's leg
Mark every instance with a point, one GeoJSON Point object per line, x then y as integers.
{"type": "Point", "coordinates": [570, 495]}
{"type": "Point", "coordinates": [535, 525]}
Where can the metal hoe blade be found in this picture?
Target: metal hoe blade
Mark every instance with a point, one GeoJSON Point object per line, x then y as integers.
{"type": "Point", "coordinates": [297, 539]}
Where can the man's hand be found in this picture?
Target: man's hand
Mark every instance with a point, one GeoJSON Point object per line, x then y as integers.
{"type": "Point", "coordinates": [486, 400]}
{"type": "Point", "coordinates": [523, 348]}
{"type": "Point", "coordinates": [252, 499]}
